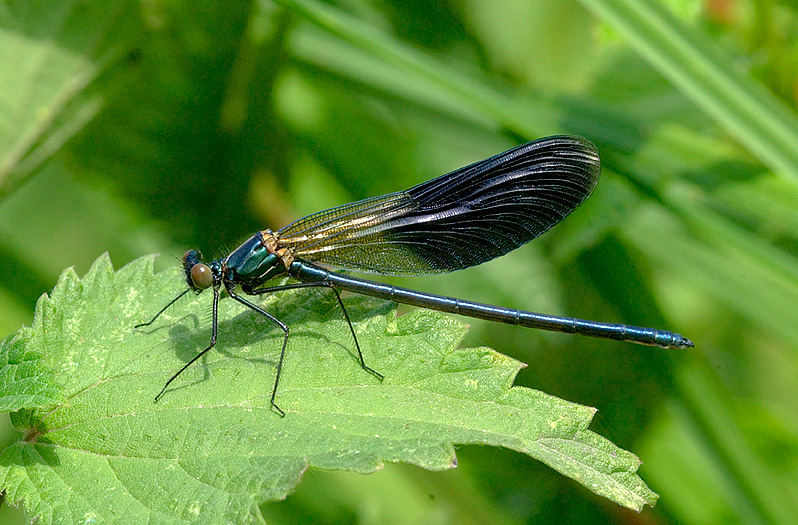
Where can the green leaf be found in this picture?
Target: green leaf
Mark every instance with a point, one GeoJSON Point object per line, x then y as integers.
{"type": "Point", "coordinates": [212, 448]}
{"type": "Point", "coordinates": [23, 381]}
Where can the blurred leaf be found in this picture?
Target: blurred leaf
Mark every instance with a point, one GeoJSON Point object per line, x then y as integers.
{"type": "Point", "coordinates": [753, 475]}
{"type": "Point", "coordinates": [166, 136]}
{"type": "Point", "coordinates": [83, 394]}
{"type": "Point", "coordinates": [528, 40]}
{"type": "Point", "coordinates": [377, 59]}
{"type": "Point", "coordinates": [754, 278]}
{"type": "Point", "coordinates": [708, 76]}
{"type": "Point", "coordinates": [52, 54]}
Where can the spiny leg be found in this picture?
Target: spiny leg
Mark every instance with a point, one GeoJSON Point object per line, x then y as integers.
{"type": "Point", "coordinates": [213, 339]}
{"type": "Point", "coordinates": [330, 285]}
{"type": "Point", "coordinates": [162, 310]}
{"type": "Point", "coordinates": [354, 337]}
{"type": "Point", "coordinates": [286, 332]}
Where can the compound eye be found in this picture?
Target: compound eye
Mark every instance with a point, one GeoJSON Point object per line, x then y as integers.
{"type": "Point", "coordinates": [201, 276]}
{"type": "Point", "coordinates": [191, 257]}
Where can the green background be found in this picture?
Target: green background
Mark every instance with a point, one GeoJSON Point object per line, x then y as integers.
{"type": "Point", "coordinates": [141, 127]}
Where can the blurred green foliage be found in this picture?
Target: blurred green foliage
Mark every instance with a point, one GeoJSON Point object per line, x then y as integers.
{"type": "Point", "coordinates": [140, 127]}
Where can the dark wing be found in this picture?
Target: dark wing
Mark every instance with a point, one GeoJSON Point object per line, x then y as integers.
{"type": "Point", "coordinates": [457, 220]}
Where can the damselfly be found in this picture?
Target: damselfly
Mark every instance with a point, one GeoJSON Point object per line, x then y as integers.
{"type": "Point", "coordinates": [458, 220]}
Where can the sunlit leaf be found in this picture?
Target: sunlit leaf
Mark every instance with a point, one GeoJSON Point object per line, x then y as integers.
{"type": "Point", "coordinates": [212, 447]}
